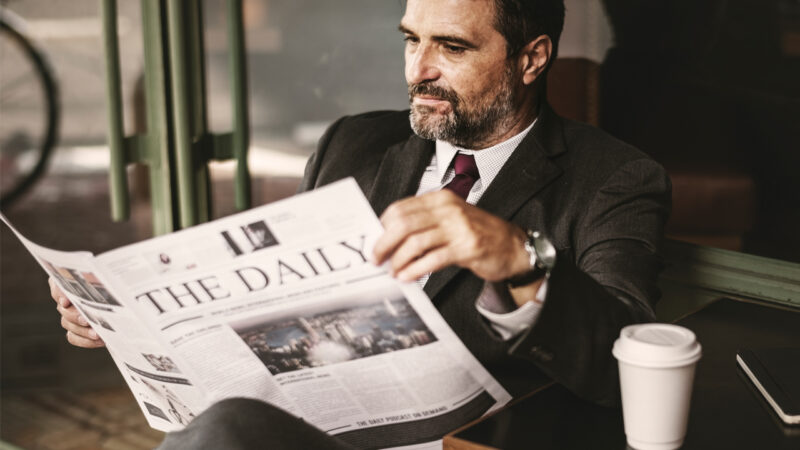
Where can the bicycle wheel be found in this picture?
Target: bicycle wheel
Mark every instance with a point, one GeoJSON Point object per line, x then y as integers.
{"type": "Point", "coordinates": [29, 109]}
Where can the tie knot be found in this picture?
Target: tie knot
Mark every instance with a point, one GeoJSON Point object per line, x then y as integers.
{"type": "Point", "coordinates": [466, 173]}
{"type": "Point", "coordinates": [465, 165]}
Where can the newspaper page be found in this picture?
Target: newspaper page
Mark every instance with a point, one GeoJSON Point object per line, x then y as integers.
{"type": "Point", "coordinates": [167, 397]}
{"type": "Point", "coordinates": [281, 303]}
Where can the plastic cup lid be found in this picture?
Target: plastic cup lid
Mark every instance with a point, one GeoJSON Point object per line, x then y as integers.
{"type": "Point", "coordinates": [657, 345]}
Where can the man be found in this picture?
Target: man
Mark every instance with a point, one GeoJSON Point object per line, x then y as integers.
{"type": "Point", "coordinates": [476, 72]}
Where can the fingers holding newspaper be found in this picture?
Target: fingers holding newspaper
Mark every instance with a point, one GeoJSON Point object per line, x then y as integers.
{"type": "Point", "coordinates": [79, 333]}
{"type": "Point", "coordinates": [429, 232]}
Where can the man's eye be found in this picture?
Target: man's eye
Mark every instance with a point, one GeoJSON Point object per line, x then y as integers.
{"type": "Point", "coordinates": [410, 39]}
{"type": "Point", "coordinates": [454, 49]}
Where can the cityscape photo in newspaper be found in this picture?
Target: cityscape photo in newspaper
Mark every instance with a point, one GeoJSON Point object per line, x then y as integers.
{"type": "Point", "coordinates": [279, 303]}
{"type": "Point", "coordinates": [342, 331]}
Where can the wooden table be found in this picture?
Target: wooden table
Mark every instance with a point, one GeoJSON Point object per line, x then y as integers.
{"type": "Point", "coordinates": [726, 411]}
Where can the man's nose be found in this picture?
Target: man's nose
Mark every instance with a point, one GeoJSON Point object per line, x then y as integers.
{"type": "Point", "coordinates": [421, 66]}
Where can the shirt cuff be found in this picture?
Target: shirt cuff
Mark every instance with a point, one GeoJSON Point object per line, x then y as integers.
{"type": "Point", "coordinates": [509, 323]}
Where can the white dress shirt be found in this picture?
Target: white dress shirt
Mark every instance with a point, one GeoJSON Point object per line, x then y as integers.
{"type": "Point", "coordinates": [507, 323]}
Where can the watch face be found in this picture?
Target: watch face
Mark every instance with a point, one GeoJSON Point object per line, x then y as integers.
{"type": "Point", "coordinates": [545, 251]}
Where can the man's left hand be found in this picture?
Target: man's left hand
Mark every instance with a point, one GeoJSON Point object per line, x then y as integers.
{"type": "Point", "coordinates": [430, 232]}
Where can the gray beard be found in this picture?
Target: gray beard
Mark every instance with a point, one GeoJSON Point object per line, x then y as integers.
{"type": "Point", "coordinates": [462, 127]}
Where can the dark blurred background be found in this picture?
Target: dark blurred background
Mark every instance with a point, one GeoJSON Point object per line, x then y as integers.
{"type": "Point", "coordinates": [711, 89]}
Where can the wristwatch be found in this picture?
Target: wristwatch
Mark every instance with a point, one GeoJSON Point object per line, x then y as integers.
{"type": "Point", "coordinates": [542, 259]}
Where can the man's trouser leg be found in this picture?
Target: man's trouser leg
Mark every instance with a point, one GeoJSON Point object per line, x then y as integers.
{"type": "Point", "coordinates": [238, 424]}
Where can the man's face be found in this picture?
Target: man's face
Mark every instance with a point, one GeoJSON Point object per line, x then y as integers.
{"type": "Point", "coordinates": [461, 84]}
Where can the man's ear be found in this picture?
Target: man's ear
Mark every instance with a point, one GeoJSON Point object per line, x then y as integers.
{"type": "Point", "coordinates": [533, 58]}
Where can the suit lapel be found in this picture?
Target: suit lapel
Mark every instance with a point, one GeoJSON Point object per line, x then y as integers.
{"type": "Point", "coordinates": [527, 171]}
{"type": "Point", "coordinates": [400, 171]}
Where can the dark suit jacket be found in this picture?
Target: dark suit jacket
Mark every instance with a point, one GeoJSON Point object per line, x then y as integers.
{"type": "Point", "coordinates": [602, 203]}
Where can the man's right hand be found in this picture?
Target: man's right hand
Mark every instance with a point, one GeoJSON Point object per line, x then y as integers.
{"type": "Point", "coordinates": [78, 331]}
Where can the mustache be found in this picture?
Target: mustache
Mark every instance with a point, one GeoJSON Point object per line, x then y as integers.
{"type": "Point", "coordinates": [433, 91]}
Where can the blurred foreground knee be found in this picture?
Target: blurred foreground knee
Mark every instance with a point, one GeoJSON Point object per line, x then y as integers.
{"type": "Point", "coordinates": [241, 423]}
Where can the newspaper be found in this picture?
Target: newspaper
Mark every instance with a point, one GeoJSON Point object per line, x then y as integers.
{"type": "Point", "coordinates": [282, 304]}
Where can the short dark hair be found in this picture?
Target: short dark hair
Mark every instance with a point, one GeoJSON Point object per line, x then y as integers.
{"type": "Point", "coordinates": [521, 21]}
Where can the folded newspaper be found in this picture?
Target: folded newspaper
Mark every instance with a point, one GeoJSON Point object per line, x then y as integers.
{"type": "Point", "coordinates": [282, 304]}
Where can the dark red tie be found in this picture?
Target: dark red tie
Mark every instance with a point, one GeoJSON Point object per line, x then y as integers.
{"type": "Point", "coordinates": [466, 175]}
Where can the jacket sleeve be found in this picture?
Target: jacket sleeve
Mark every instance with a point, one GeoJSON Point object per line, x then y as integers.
{"type": "Point", "coordinates": [610, 283]}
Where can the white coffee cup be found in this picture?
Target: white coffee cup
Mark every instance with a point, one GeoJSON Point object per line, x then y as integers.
{"type": "Point", "coordinates": [656, 371]}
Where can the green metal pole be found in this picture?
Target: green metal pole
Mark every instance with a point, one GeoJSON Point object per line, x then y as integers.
{"type": "Point", "coordinates": [190, 136]}
{"type": "Point", "coordinates": [201, 151]}
{"type": "Point", "coordinates": [181, 113]}
{"type": "Point", "coordinates": [238, 79]}
{"type": "Point", "coordinates": [118, 180]}
{"type": "Point", "coordinates": [157, 150]}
